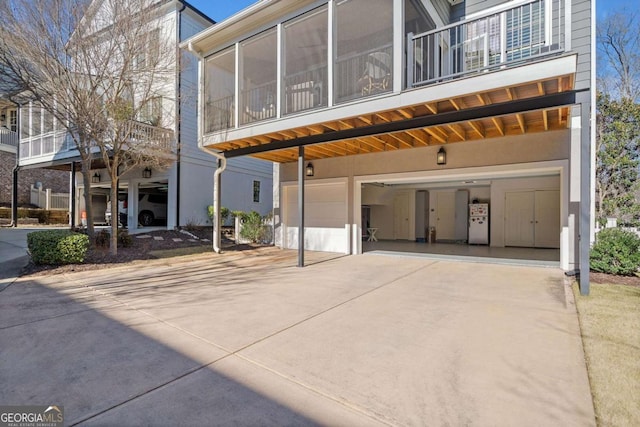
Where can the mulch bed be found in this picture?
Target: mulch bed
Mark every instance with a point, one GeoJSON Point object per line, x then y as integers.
{"type": "Point", "coordinates": [141, 249]}
{"type": "Point", "coordinates": [603, 278]}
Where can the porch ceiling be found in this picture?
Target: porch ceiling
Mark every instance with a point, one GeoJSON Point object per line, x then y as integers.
{"type": "Point", "coordinates": [502, 125]}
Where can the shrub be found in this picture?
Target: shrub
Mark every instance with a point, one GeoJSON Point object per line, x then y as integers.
{"type": "Point", "coordinates": [616, 252]}
{"type": "Point", "coordinates": [224, 214]}
{"type": "Point", "coordinates": [253, 228]}
{"type": "Point", "coordinates": [57, 247]}
{"type": "Point", "coordinates": [102, 239]}
{"type": "Point", "coordinates": [124, 238]}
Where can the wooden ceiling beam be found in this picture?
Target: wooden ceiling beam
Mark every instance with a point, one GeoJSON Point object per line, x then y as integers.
{"type": "Point", "coordinates": [521, 123]}
{"type": "Point", "coordinates": [545, 119]}
{"type": "Point", "coordinates": [420, 135]}
{"type": "Point", "coordinates": [432, 107]}
{"type": "Point", "coordinates": [497, 122]}
{"type": "Point", "coordinates": [458, 130]}
{"type": "Point", "coordinates": [402, 139]}
{"type": "Point", "coordinates": [435, 135]}
{"type": "Point", "coordinates": [478, 127]}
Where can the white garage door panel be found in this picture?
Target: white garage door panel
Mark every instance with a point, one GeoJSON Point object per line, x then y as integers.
{"type": "Point", "coordinates": [325, 217]}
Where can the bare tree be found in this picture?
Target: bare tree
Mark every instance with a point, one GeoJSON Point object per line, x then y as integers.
{"type": "Point", "coordinates": [106, 71]}
{"type": "Point", "coordinates": [618, 38]}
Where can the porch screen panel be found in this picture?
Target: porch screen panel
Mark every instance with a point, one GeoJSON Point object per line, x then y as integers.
{"type": "Point", "coordinates": [364, 48]}
{"type": "Point", "coordinates": [220, 75]}
{"type": "Point", "coordinates": [305, 62]}
{"type": "Point", "coordinates": [258, 87]}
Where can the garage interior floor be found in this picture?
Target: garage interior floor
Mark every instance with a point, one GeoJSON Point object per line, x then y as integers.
{"type": "Point", "coordinates": [510, 255]}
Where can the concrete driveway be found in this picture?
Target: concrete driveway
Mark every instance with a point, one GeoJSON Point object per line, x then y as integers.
{"type": "Point", "coordinates": [248, 339]}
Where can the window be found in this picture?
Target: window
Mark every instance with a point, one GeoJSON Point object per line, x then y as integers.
{"type": "Point", "coordinates": [256, 191]}
{"type": "Point", "coordinates": [151, 111]}
{"type": "Point", "coordinates": [13, 120]}
{"type": "Point", "coordinates": [147, 52]}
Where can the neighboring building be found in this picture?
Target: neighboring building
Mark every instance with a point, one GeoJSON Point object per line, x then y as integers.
{"type": "Point", "coordinates": [371, 93]}
{"type": "Point", "coordinates": [186, 185]}
{"type": "Point", "coordinates": [57, 181]}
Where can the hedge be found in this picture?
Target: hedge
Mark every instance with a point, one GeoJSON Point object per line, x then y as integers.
{"type": "Point", "coordinates": [57, 247]}
{"type": "Point", "coordinates": [616, 252]}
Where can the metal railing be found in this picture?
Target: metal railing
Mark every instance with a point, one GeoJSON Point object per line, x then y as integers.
{"type": "Point", "coordinates": [220, 114]}
{"type": "Point", "coordinates": [258, 103]}
{"type": "Point", "coordinates": [509, 36]}
{"type": "Point", "coordinates": [154, 137]}
{"type": "Point", "coordinates": [8, 137]}
{"type": "Point", "coordinates": [305, 90]}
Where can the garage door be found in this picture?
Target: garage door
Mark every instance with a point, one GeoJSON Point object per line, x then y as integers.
{"type": "Point", "coordinates": [325, 217]}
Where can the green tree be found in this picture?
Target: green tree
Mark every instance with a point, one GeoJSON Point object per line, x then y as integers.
{"type": "Point", "coordinates": [617, 144]}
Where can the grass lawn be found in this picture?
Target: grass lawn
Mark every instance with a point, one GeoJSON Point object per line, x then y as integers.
{"type": "Point", "coordinates": [610, 323]}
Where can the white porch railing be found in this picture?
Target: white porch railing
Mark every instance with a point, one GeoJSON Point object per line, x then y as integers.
{"type": "Point", "coordinates": [52, 143]}
{"type": "Point", "coordinates": [8, 137]}
{"type": "Point", "coordinates": [509, 36]}
{"type": "Point", "coordinates": [45, 199]}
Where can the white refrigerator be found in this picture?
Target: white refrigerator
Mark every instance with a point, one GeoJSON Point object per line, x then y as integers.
{"type": "Point", "coordinates": [479, 224]}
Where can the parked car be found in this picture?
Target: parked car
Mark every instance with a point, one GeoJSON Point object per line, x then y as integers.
{"type": "Point", "coordinates": [151, 207]}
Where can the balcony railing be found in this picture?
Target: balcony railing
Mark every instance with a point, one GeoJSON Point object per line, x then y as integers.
{"type": "Point", "coordinates": [51, 143]}
{"type": "Point", "coordinates": [510, 36]}
{"type": "Point", "coordinates": [364, 74]}
{"type": "Point", "coordinates": [258, 103]}
{"type": "Point", "coordinates": [8, 137]}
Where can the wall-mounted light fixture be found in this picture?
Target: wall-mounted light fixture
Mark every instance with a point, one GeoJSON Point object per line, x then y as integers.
{"type": "Point", "coordinates": [309, 169]}
{"type": "Point", "coordinates": [441, 157]}
{"type": "Point", "coordinates": [95, 178]}
{"type": "Point", "coordinates": [146, 173]}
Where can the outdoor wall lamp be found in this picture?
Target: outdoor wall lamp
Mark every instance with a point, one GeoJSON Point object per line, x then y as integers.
{"type": "Point", "coordinates": [441, 158]}
{"type": "Point", "coordinates": [146, 173]}
{"type": "Point", "coordinates": [309, 169]}
{"type": "Point", "coordinates": [95, 178]}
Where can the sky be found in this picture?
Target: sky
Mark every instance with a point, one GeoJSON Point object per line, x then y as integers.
{"type": "Point", "coordinates": [219, 10]}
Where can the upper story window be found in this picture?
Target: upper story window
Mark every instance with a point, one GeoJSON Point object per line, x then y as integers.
{"type": "Point", "coordinates": [364, 48]}
{"type": "Point", "coordinates": [151, 111]}
{"type": "Point", "coordinates": [148, 50]}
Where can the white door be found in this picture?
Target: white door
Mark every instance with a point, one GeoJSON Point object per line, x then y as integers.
{"type": "Point", "coordinates": [446, 215]}
{"type": "Point", "coordinates": [401, 216]}
{"type": "Point", "coordinates": [519, 218]}
{"type": "Point", "coordinates": [547, 219]}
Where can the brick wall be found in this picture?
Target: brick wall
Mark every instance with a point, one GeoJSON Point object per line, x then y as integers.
{"type": "Point", "coordinates": [57, 181]}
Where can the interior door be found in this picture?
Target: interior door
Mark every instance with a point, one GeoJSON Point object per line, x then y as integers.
{"type": "Point", "coordinates": [547, 219]}
{"type": "Point", "coordinates": [401, 216]}
{"type": "Point", "coordinates": [445, 215]}
{"type": "Point", "coordinates": [519, 218]}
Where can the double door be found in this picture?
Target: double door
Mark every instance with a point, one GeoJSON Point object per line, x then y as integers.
{"type": "Point", "coordinates": [532, 219]}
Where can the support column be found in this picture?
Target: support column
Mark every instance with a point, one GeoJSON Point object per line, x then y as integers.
{"type": "Point", "coordinates": [72, 196]}
{"type": "Point", "coordinates": [217, 206]}
{"type": "Point", "coordinates": [14, 196]}
{"type": "Point", "coordinates": [585, 193]}
{"type": "Point", "coordinates": [301, 171]}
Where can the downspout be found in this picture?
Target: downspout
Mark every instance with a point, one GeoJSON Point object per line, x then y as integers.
{"type": "Point", "coordinates": [16, 168]}
{"type": "Point", "coordinates": [178, 113]}
{"type": "Point", "coordinates": [222, 161]}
